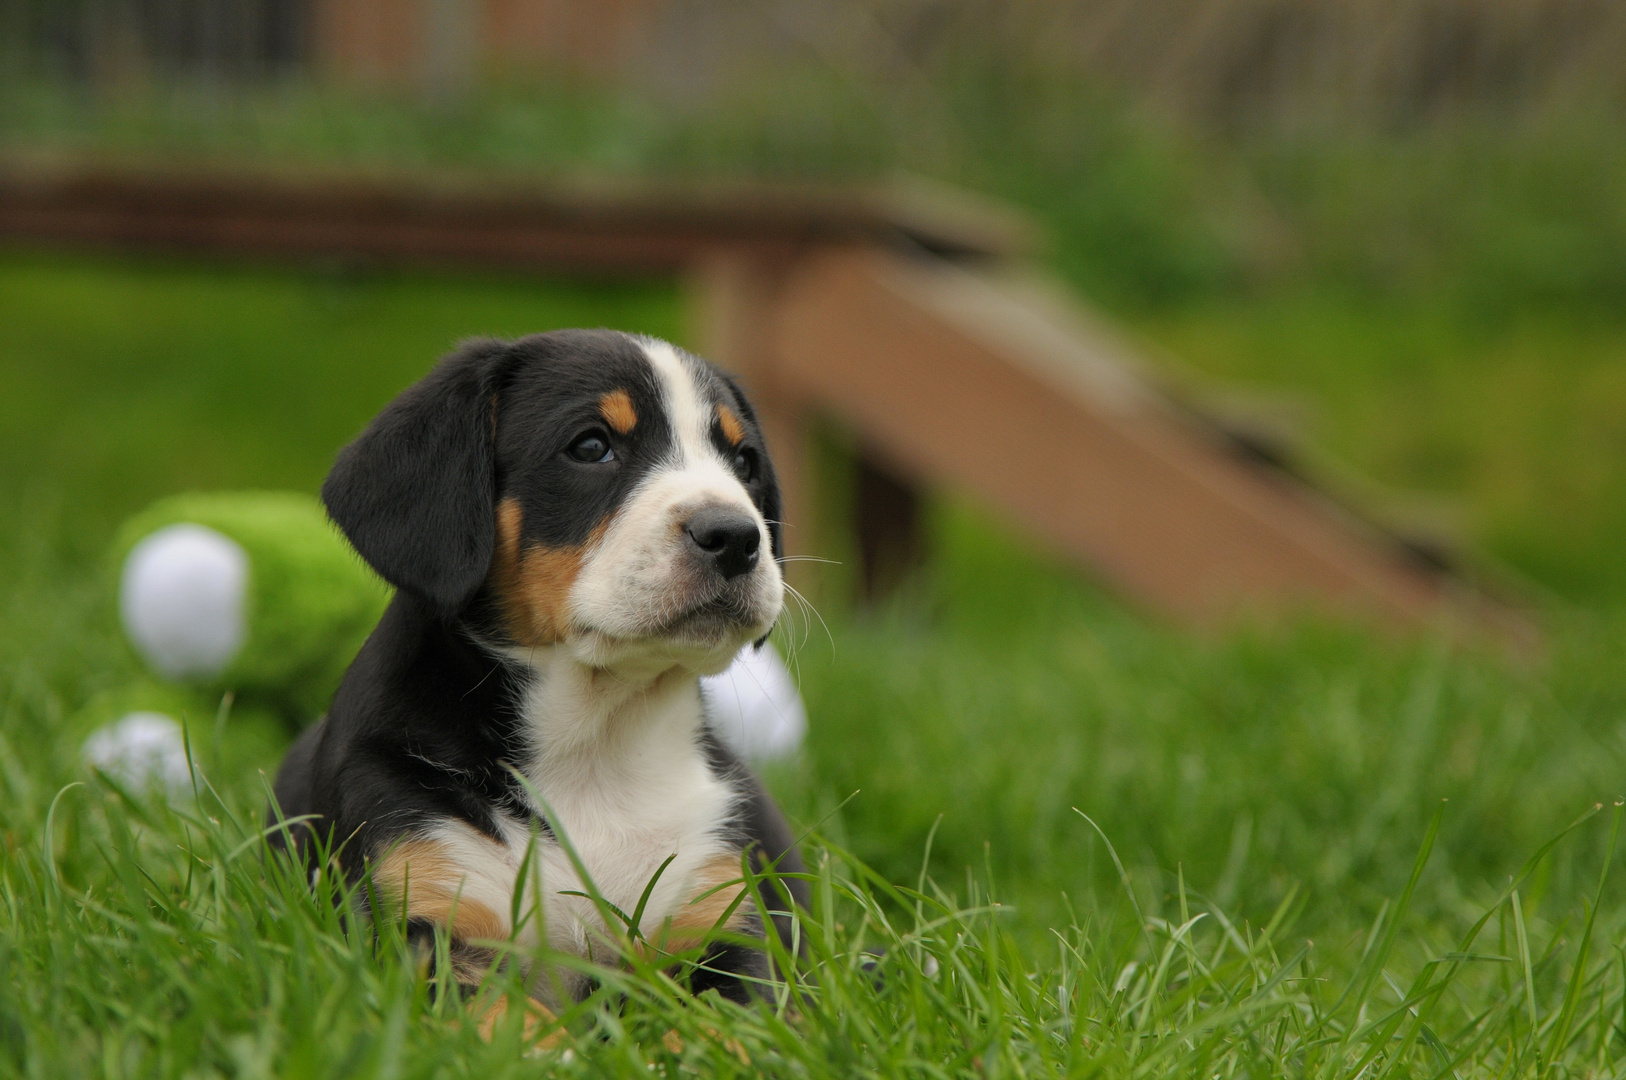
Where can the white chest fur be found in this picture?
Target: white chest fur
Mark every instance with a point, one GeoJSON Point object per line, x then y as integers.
{"type": "Point", "coordinates": [618, 774]}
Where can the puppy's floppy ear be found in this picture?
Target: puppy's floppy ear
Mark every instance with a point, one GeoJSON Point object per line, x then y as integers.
{"type": "Point", "coordinates": [772, 505]}
{"type": "Point", "coordinates": [416, 491]}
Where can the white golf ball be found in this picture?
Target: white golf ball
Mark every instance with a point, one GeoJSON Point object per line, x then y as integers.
{"type": "Point", "coordinates": [182, 597]}
{"type": "Point", "coordinates": [143, 749]}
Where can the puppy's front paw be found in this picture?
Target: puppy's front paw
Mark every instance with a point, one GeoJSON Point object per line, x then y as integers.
{"type": "Point", "coordinates": [542, 1030]}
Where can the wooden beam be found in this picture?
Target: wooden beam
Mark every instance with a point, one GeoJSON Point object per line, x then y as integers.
{"type": "Point", "coordinates": [867, 304]}
{"type": "Point", "coordinates": [991, 385]}
{"type": "Point", "coordinates": [440, 220]}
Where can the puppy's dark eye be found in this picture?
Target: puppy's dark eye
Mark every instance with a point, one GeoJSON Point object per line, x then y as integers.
{"type": "Point", "coordinates": [591, 447]}
{"type": "Point", "coordinates": [745, 464]}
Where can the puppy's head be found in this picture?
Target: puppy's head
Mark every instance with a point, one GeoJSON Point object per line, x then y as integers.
{"type": "Point", "coordinates": [606, 493]}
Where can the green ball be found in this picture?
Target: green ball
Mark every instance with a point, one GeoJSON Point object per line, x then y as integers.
{"type": "Point", "coordinates": [266, 599]}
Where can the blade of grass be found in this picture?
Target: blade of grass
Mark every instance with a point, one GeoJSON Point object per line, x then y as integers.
{"type": "Point", "coordinates": [1572, 994]}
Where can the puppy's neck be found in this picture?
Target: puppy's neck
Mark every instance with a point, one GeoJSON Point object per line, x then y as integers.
{"type": "Point", "coordinates": [592, 716]}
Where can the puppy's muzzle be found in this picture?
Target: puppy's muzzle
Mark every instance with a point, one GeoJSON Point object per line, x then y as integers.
{"type": "Point", "coordinates": [725, 542]}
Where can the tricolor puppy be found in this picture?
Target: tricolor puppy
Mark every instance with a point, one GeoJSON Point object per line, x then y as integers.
{"type": "Point", "coordinates": [579, 525]}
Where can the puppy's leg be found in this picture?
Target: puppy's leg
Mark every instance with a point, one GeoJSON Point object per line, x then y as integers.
{"type": "Point", "coordinates": [542, 1030]}
{"type": "Point", "coordinates": [430, 885]}
{"type": "Point", "coordinates": [736, 970]}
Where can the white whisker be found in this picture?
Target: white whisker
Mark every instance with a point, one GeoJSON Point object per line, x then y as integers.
{"type": "Point", "coordinates": [808, 604]}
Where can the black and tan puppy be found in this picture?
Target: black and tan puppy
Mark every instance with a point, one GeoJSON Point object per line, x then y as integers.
{"type": "Point", "coordinates": [578, 524]}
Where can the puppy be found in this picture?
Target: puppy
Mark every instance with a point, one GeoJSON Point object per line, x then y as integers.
{"type": "Point", "coordinates": [578, 525]}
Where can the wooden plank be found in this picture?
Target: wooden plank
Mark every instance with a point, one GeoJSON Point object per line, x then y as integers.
{"type": "Point", "coordinates": [988, 385]}
{"type": "Point", "coordinates": [637, 229]}
{"type": "Point", "coordinates": [966, 379]}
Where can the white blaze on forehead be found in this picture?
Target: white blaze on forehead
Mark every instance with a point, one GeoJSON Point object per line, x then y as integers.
{"type": "Point", "coordinates": [685, 407]}
{"type": "Point", "coordinates": [641, 575]}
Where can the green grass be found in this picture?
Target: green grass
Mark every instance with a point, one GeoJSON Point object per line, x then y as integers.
{"type": "Point", "coordinates": [1509, 434]}
{"type": "Point", "coordinates": [1338, 812]}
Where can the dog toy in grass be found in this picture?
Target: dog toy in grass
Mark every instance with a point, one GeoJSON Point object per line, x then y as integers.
{"type": "Point", "coordinates": [251, 603]}
{"type": "Point", "coordinates": [249, 594]}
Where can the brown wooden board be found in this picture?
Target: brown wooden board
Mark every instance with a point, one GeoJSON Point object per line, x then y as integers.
{"type": "Point", "coordinates": [603, 228]}
{"type": "Point", "coordinates": [982, 384]}
{"type": "Point", "coordinates": [884, 308]}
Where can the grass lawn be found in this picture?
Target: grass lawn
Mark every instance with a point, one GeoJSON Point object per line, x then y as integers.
{"type": "Point", "coordinates": [1509, 428]}
{"type": "Point", "coordinates": [1308, 852]}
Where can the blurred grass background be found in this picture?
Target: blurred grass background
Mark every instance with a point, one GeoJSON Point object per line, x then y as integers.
{"type": "Point", "coordinates": [1406, 228]}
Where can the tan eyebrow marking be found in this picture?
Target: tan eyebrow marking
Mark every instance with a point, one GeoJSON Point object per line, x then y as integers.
{"type": "Point", "coordinates": [733, 430]}
{"type": "Point", "coordinates": [616, 408]}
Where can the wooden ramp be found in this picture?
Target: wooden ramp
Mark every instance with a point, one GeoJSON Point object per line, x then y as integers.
{"type": "Point", "coordinates": [908, 318]}
{"type": "Point", "coordinates": [990, 381]}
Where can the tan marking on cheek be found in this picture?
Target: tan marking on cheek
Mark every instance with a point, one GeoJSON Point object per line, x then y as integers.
{"type": "Point", "coordinates": [689, 925]}
{"type": "Point", "coordinates": [509, 519]}
{"type": "Point", "coordinates": [424, 878]}
{"type": "Point", "coordinates": [733, 430]}
{"type": "Point", "coordinates": [542, 616]}
{"type": "Point", "coordinates": [514, 580]}
{"type": "Point", "coordinates": [533, 584]}
{"type": "Point", "coordinates": [616, 408]}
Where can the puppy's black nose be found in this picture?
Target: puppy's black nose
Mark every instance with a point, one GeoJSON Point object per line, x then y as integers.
{"type": "Point", "coordinates": [726, 540]}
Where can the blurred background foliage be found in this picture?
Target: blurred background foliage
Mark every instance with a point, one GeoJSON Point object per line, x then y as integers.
{"type": "Point", "coordinates": [1403, 222]}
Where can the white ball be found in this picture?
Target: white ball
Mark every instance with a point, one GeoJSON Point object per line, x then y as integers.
{"type": "Point", "coordinates": [754, 706]}
{"type": "Point", "coordinates": [143, 749]}
{"type": "Point", "coordinates": [182, 597]}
